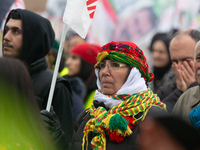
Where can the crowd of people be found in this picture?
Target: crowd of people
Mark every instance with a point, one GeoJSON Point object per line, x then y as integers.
{"type": "Point", "coordinates": [105, 97]}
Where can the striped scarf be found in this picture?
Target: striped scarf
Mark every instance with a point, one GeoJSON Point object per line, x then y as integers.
{"type": "Point", "coordinates": [103, 121]}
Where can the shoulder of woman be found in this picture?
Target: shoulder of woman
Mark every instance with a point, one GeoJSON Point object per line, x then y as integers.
{"type": "Point", "coordinates": [155, 111]}
{"type": "Point", "coordinates": [82, 116]}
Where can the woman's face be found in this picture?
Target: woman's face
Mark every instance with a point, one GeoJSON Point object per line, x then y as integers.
{"type": "Point", "coordinates": [113, 79]}
{"type": "Point", "coordinates": [160, 54]}
{"type": "Point", "coordinates": [73, 63]}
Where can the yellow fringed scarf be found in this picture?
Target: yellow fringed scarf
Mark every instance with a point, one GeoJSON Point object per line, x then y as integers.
{"type": "Point", "coordinates": [103, 121]}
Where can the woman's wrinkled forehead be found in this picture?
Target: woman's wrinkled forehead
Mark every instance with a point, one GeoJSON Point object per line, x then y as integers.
{"type": "Point", "coordinates": [108, 59]}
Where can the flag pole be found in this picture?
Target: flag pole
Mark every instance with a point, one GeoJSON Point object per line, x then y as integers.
{"type": "Point", "coordinates": [55, 73]}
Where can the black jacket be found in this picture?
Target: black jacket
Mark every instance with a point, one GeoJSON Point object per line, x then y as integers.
{"type": "Point", "coordinates": [62, 100]}
{"type": "Point", "coordinates": [38, 39]}
{"type": "Point", "coordinates": [169, 94]}
{"type": "Point", "coordinates": [78, 90]}
{"type": "Point", "coordinates": [129, 143]}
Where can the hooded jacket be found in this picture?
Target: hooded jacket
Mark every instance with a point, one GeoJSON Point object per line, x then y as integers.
{"type": "Point", "coordinates": [38, 39]}
{"type": "Point", "coordinates": [38, 36]}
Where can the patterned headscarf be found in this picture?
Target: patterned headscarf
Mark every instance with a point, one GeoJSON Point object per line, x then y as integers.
{"type": "Point", "coordinates": [128, 53]}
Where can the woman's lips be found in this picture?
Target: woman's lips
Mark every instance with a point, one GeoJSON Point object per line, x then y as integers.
{"type": "Point", "coordinates": [106, 83]}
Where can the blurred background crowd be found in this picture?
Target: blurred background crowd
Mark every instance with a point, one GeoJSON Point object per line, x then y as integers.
{"type": "Point", "coordinates": [120, 19]}
{"type": "Point", "coordinates": [151, 24]}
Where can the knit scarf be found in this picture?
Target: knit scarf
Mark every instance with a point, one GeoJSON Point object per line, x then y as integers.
{"type": "Point", "coordinates": [116, 120]}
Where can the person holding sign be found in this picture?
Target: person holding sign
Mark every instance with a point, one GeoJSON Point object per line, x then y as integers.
{"type": "Point", "coordinates": [29, 37]}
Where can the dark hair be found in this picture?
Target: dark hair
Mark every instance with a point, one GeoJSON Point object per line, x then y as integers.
{"type": "Point", "coordinates": [88, 76]}
{"type": "Point", "coordinates": [14, 73]}
{"type": "Point", "coordinates": [18, 107]}
{"type": "Point", "coordinates": [85, 70]}
{"type": "Point", "coordinates": [162, 37]}
{"type": "Point", "coordinates": [15, 15]}
{"type": "Point", "coordinates": [193, 33]}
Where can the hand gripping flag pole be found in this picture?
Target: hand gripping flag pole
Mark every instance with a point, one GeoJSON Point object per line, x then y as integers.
{"type": "Point", "coordinates": [78, 15]}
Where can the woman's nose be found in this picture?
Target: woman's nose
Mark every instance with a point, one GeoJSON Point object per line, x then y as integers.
{"type": "Point", "coordinates": [106, 69]}
{"type": "Point", "coordinates": [156, 54]}
{"type": "Point", "coordinates": [67, 62]}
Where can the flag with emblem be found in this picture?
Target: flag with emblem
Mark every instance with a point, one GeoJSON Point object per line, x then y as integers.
{"type": "Point", "coordinates": [79, 14]}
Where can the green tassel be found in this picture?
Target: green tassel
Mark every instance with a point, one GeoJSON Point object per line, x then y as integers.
{"type": "Point", "coordinates": [118, 122]}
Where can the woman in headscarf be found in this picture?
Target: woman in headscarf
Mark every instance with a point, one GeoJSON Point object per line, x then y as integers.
{"type": "Point", "coordinates": [121, 101]}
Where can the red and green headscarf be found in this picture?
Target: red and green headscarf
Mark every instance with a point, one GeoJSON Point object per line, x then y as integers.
{"type": "Point", "coordinates": [127, 53]}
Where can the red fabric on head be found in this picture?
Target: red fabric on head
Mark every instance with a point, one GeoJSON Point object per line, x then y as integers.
{"type": "Point", "coordinates": [87, 52]}
{"type": "Point", "coordinates": [128, 53]}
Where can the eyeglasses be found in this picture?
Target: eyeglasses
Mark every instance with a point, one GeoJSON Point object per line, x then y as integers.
{"type": "Point", "coordinates": [111, 66]}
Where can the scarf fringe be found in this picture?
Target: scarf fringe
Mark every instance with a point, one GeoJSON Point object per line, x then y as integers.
{"type": "Point", "coordinates": [116, 121]}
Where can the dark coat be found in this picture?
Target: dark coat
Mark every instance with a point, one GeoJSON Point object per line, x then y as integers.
{"type": "Point", "coordinates": [38, 38]}
{"type": "Point", "coordinates": [169, 94]}
{"type": "Point", "coordinates": [162, 76]}
{"type": "Point", "coordinates": [78, 90]}
{"type": "Point", "coordinates": [62, 99]}
{"type": "Point", "coordinates": [129, 143]}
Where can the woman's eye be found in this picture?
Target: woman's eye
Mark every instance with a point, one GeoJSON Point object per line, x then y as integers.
{"type": "Point", "coordinates": [161, 52]}
{"type": "Point", "coordinates": [114, 65]}
{"type": "Point", "coordinates": [102, 66]}
{"type": "Point", "coordinates": [74, 57]}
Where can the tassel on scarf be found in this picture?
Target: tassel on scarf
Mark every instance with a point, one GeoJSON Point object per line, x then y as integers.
{"type": "Point", "coordinates": [100, 57]}
{"type": "Point", "coordinates": [118, 122]}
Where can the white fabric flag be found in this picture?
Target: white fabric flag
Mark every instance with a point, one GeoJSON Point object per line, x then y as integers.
{"type": "Point", "coordinates": [79, 14]}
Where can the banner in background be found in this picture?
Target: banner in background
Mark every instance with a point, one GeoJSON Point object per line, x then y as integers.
{"type": "Point", "coordinates": [139, 20]}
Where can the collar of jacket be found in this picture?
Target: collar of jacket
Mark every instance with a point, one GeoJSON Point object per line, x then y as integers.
{"type": "Point", "coordinates": [38, 66]}
{"type": "Point", "coordinates": [99, 104]}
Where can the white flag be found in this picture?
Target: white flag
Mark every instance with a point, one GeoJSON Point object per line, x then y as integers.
{"type": "Point", "coordinates": [79, 14]}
